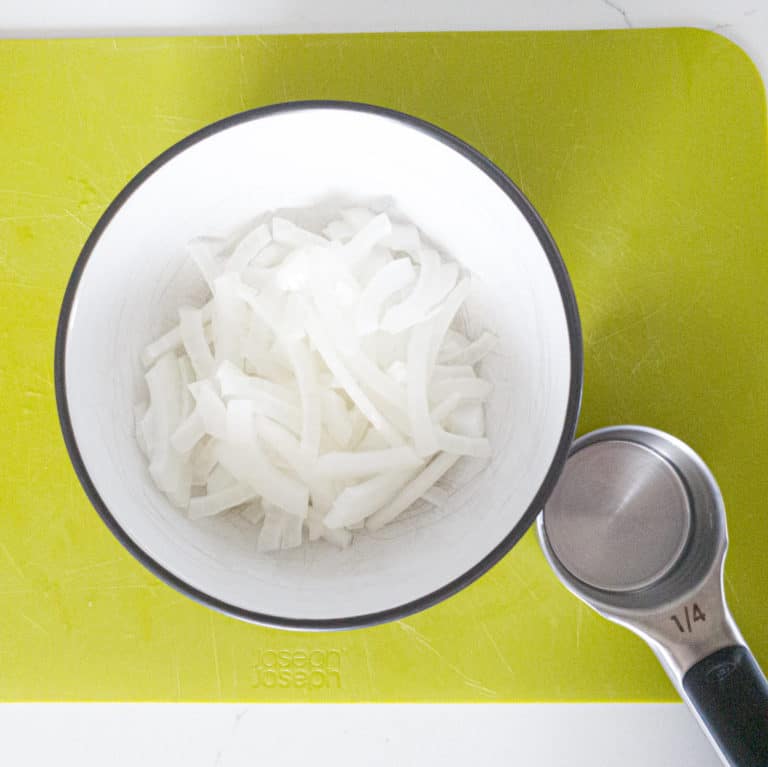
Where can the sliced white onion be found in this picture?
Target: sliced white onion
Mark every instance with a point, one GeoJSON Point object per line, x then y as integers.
{"type": "Point", "coordinates": [240, 422]}
{"type": "Point", "coordinates": [398, 372]}
{"type": "Point", "coordinates": [265, 304]}
{"type": "Point", "coordinates": [466, 388]}
{"type": "Point", "coordinates": [303, 365]}
{"type": "Point", "coordinates": [203, 460]}
{"type": "Point", "coordinates": [167, 467]}
{"type": "Point", "coordinates": [372, 440]}
{"type": "Point", "coordinates": [263, 397]}
{"type": "Point", "coordinates": [412, 491]}
{"type": "Point", "coordinates": [251, 467]}
{"type": "Point", "coordinates": [254, 512]}
{"type": "Point", "coordinates": [249, 248]}
{"type": "Point", "coordinates": [229, 319]}
{"type": "Point", "coordinates": [322, 387]}
{"type": "Point", "coordinates": [359, 428]}
{"type": "Point", "coordinates": [388, 281]}
{"type": "Point", "coordinates": [255, 344]}
{"type": "Point", "coordinates": [210, 408]}
{"type": "Point", "coordinates": [204, 253]}
{"type": "Point", "coordinates": [473, 352]}
{"type": "Point", "coordinates": [287, 233]}
{"type": "Point", "coordinates": [453, 371]}
{"type": "Point", "coordinates": [188, 433]}
{"type": "Point", "coordinates": [390, 348]}
{"type": "Point", "coordinates": [271, 534]}
{"type": "Point", "coordinates": [340, 537]}
{"type": "Point", "coordinates": [357, 217]}
{"type": "Point", "coordinates": [366, 463]}
{"type": "Point", "coordinates": [171, 340]}
{"type": "Point", "coordinates": [271, 255]}
{"type": "Point", "coordinates": [194, 341]}
{"type": "Point", "coordinates": [336, 417]}
{"type": "Point", "coordinates": [168, 342]}
{"type": "Point", "coordinates": [404, 238]}
{"type": "Point", "coordinates": [292, 532]}
{"type": "Point", "coordinates": [372, 378]}
{"type": "Point", "coordinates": [413, 309]}
{"type": "Point", "coordinates": [458, 444]}
{"type": "Point", "coordinates": [285, 445]}
{"type": "Point", "coordinates": [334, 316]}
{"type": "Point", "coordinates": [187, 375]}
{"type": "Point", "coordinates": [366, 238]}
{"type": "Point", "coordinates": [219, 479]}
{"type": "Point", "coordinates": [222, 500]}
{"type": "Point", "coordinates": [332, 359]}
{"type": "Point", "coordinates": [453, 343]}
{"type": "Point", "coordinates": [235, 383]}
{"type": "Point", "coordinates": [436, 496]}
{"type": "Point", "coordinates": [366, 269]}
{"type": "Point", "coordinates": [296, 271]}
{"type": "Point", "coordinates": [338, 230]}
{"type": "Point", "coordinates": [445, 316]}
{"type": "Point", "coordinates": [468, 419]}
{"type": "Point", "coordinates": [396, 416]}
{"type": "Point", "coordinates": [356, 503]}
{"type": "Point", "coordinates": [442, 410]}
{"type": "Point", "coordinates": [424, 440]}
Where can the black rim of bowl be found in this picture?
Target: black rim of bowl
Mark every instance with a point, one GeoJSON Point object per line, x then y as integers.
{"type": "Point", "coordinates": [566, 436]}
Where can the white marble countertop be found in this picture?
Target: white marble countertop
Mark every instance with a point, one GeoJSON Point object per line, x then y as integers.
{"type": "Point", "coordinates": [217, 735]}
{"type": "Point", "coordinates": [743, 21]}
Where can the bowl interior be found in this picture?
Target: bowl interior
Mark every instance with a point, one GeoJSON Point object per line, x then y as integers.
{"type": "Point", "coordinates": [136, 276]}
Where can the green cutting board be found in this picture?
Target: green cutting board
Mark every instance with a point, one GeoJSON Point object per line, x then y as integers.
{"type": "Point", "coordinates": [645, 152]}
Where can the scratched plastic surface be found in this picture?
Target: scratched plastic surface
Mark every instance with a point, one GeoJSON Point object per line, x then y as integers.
{"type": "Point", "coordinates": [645, 152]}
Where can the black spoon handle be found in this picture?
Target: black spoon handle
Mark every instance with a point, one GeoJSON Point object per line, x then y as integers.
{"type": "Point", "coordinates": [730, 694]}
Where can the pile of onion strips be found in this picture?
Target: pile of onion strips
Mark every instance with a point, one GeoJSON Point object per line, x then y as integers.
{"type": "Point", "coordinates": [324, 386]}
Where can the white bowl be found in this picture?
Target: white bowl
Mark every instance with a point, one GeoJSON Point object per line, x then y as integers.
{"type": "Point", "coordinates": [132, 275]}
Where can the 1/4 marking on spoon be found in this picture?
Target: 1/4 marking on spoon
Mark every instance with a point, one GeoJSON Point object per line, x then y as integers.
{"type": "Point", "coordinates": [695, 613]}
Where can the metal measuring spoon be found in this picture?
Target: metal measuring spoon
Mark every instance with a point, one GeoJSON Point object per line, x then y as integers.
{"type": "Point", "coordinates": [636, 529]}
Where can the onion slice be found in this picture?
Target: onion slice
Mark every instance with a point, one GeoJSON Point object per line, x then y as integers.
{"type": "Point", "coordinates": [412, 491]}
{"type": "Point", "coordinates": [324, 386]}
